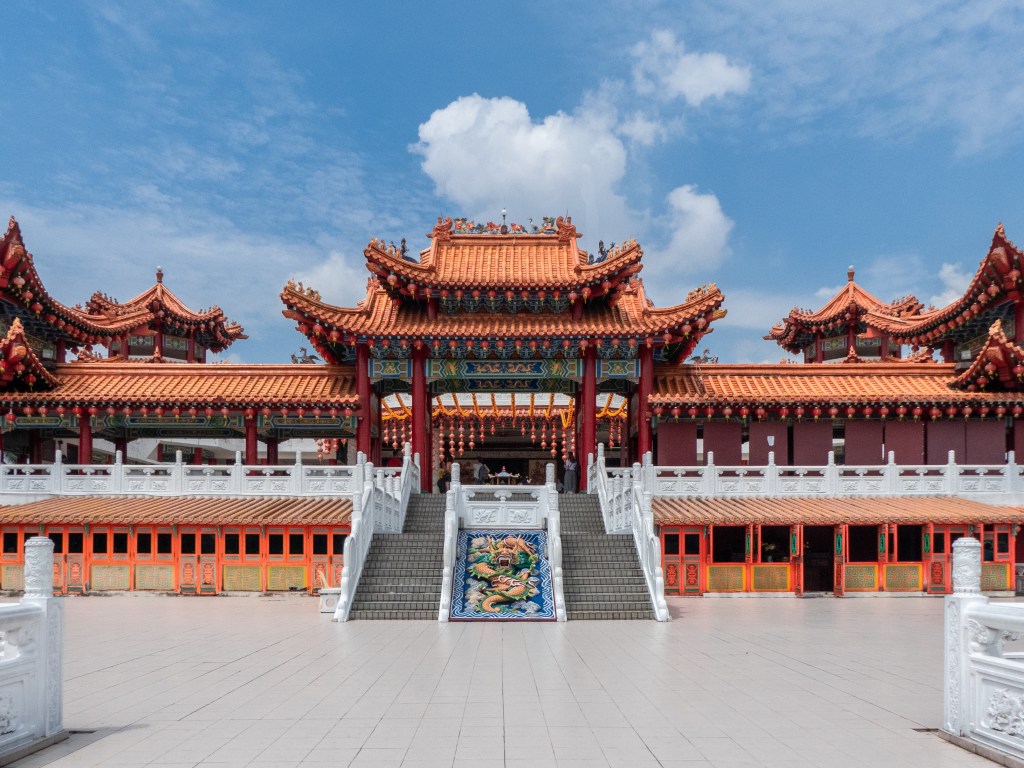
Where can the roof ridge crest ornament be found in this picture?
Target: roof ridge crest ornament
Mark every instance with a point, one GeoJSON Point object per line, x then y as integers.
{"type": "Point", "coordinates": [442, 231]}
{"type": "Point", "coordinates": [566, 230]}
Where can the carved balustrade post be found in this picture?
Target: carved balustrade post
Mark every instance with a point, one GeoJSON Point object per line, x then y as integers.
{"type": "Point", "coordinates": [950, 474]}
{"type": "Point", "coordinates": [966, 594]}
{"type": "Point", "coordinates": [831, 475]}
{"type": "Point", "coordinates": [39, 592]}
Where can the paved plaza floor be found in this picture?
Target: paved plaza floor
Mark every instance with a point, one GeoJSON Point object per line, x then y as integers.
{"type": "Point", "coordinates": [269, 681]}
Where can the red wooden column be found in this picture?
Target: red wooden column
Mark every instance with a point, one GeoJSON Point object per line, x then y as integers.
{"type": "Point", "coordinates": [588, 413]}
{"type": "Point", "coordinates": [84, 440]}
{"type": "Point", "coordinates": [252, 446]}
{"type": "Point", "coordinates": [364, 419]}
{"type": "Point", "coordinates": [421, 416]}
{"type": "Point", "coordinates": [121, 444]}
{"type": "Point", "coordinates": [272, 451]}
{"type": "Point", "coordinates": [645, 386]}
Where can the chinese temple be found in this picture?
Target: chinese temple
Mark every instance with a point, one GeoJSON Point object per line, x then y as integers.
{"type": "Point", "coordinates": [852, 472]}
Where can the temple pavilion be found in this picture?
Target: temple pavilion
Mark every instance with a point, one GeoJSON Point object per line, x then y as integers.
{"type": "Point", "coordinates": [513, 345]}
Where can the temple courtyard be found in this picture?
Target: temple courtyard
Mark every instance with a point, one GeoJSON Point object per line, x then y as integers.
{"type": "Point", "coordinates": [269, 681]}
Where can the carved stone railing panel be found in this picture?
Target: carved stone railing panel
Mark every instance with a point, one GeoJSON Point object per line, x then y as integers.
{"type": "Point", "coordinates": [31, 658]}
{"type": "Point", "coordinates": [178, 479]}
{"type": "Point", "coordinates": [984, 685]}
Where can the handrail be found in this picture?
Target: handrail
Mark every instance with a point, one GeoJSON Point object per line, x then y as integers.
{"type": "Point", "coordinates": [648, 545]}
{"type": "Point", "coordinates": [452, 500]}
{"type": "Point", "coordinates": [626, 507]}
{"type": "Point", "coordinates": [554, 552]}
{"type": "Point", "coordinates": [177, 479]}
{"type": "Point", "coordinates": [380, 507]}
{"type": "Point", "coordinates": [840, 480]}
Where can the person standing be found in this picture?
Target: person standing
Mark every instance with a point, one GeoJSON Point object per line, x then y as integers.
{"type": "Point", "coordinates": [572, 474]}
{"type": "Point", "coordinates": [445, 478]}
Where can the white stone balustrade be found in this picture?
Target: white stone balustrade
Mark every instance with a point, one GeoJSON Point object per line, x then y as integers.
{"type": "Point", "coordinates": [379, 508]}
{"type": "Point", "coordinates": [984, 684]}
{"type": "Point", "coordinates": [998, 484]}
{"type": "Point", "coordinates": [625, 499]}
{"type": "Point", "coordinates": [32, 660]}
{"type": "Point", "coordinates": [20, 483]}
{"type": "Point", "coordinates": [554, 525]}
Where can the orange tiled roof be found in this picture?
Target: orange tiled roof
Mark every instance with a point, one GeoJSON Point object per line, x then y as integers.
{"type": "Point", "coordinates": [530, 261]}
{"type": "Point", "coordinates": [867, 382]}
{"type": "Point", "coordinates": [829, 511]}
{"type": "Point", "coordinates": [142, 310]}
{"type": "Point", "coordinates": [19, 366]}
{"type": "Point", "coordinates": [185, 384]}
{"type": "Point", "coordinates": [999, 365]}
{"type": "Point", "coordinates": [380, 316]}
{"type": "Point", "coordinates": [1000, 276]}
{"type": "Point", "coordinates": [21, 285]}
{"type": "Point", "coordinates": [852, 301]}
{"type": "Point", "coordinates": [94, 510]}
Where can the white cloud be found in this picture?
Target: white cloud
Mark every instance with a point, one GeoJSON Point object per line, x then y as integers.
{"type": "Point", "coordinates": [876, 67]}
{"type": "Point", "coordinates": [340, 279]}
{"type": "Point", "coordinates": [954, 282]}
{"type": "Point", "coordinates": [663, 67]}
{"type": "Point", "coordinates": [700, 232]}
{"type": "Point", "coordinates": [486, 154]}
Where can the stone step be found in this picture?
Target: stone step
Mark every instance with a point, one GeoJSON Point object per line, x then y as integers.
{"type": "Point", "coordinates": [393, 615]}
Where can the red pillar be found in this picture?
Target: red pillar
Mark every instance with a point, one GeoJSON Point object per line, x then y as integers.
{"type": "Point", "coordinates": [588, 413]}
{"type": "Point", "coordinates": [421, 415]}
{"type": "Point", "coordinates": [61, 351]}
{"type": "Point", "coordinates": [121, 444]}
{"type": "Point", "coordinates": [197, 456]}
{"type": "Point", "coordinates": [948, 351]}
{"type": "Point", "coordinates": [124, 346]}
{"type": "Point", "coordinates": [364, 418]}
{"type": "Point", "coordinates": [252, 451]}
{"type": "Point", "coordinates": [190, 350]}
{"type": "Point", "coordinates": [84, 440]}
{"type": "Point", "coordinates": [272, 451]}
{"type": "Point", "coordinates": [645, 386]}
{"type": "Point", "coordinates": [35, 447]}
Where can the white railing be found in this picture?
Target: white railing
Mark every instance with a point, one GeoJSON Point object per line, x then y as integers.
{"type": "Point", "coordinates": [21, 482]}
{"type": "Point", "coordinates": [614, 491]}
{"type": "Point", "coordinates": [32, 660]}
{"type": "Point", "coordinates": [502, 506]}
{"type": "Point", "coordinates": [453, 513]}
{"type": "Point", "coordinates": [555, 544]}
{"type": "Point", "coordinates": [380, 507]}
{"type": "Point", "coordinates": [983, 690]}
{"type": "Point", "coordinates": [625, 499]}
{"type": "Point", "coordinates": [1003, 483]}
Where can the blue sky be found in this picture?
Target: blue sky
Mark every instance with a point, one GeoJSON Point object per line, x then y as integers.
{"type": "Point", "coordinates": [761, 146]}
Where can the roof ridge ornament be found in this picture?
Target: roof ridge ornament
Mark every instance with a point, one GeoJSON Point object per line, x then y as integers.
{"type": "Point", "coordinates": [566, 230]}
{"type": "Point", "coordinates": [442, 231]}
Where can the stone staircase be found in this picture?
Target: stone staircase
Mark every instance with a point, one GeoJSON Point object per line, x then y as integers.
{"type": "Point", "coordinates": [402, 575]}
{"type": "Point", "coordinates": [602, 576]}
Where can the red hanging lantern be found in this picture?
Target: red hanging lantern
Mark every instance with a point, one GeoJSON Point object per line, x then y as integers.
{"type": "Point", "coordinates": [783, 412]}
{"type": "Point", "coordinates": [692, 412]}
{"type": "Point", "coordinates": [917, 412]}
{"type": "Point", "coordinates": [800, 410]}
{"type": "Point", "coordinates": [951, 411]}
{"type": "Point", "coordinates": [1017, 410]}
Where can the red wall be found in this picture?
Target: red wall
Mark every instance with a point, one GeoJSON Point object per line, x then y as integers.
{"type": "Point", "coordinates": [864, 443]}
{"type": "Point", "coordinates": [906, 440]}
{"type": "Point", "coordinates": [986, 442]}
{"type": "Point", "coordinates": [945, 436]}
{"type": "Point", "coordinates": [677, 444]}
{"type": "Point", "coordinates": [812, 440]}
{"type": "Point", "coordinates": [759, 448]}
{"type": "Point", "coordinates": [725, 439]}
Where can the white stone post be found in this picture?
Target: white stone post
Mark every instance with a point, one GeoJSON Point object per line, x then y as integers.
{"type": "Point", "coordinates": [831, 475]}
{"type": "Point", "coordinates": [966, 593]}
{"type": "Point", "coordinates": [39, 592]}
{"type": "Point", "coordinates": [951, 471]}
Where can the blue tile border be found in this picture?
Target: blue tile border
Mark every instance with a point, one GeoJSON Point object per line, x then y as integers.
{"type": "Point", "coordinates": [469, 592]}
